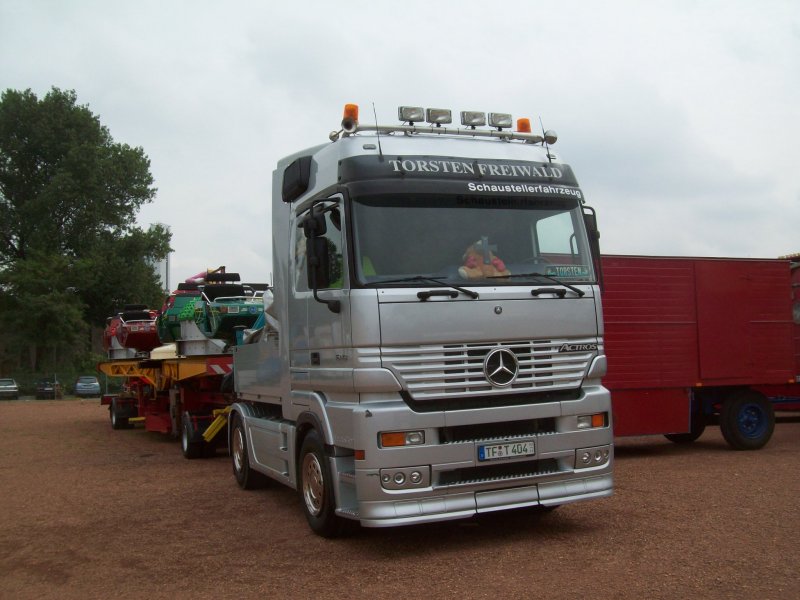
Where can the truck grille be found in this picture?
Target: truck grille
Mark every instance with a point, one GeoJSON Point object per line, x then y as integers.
{"type": "Point", "coordinates": [450, 370]}
{"type": "Point", "coordinates": [506, 473]}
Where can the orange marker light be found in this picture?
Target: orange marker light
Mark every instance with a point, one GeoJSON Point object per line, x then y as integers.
{"type": "Point", "coordinates": [598, 420]}
{"type": "Point", "coordinates": [523, 125]}
{"type": "Point", "coordinates": [392, 439]}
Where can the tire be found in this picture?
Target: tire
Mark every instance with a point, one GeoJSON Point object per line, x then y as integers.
{"type": "Point", "coordinates": [247, 478]}
{"type": "Point", "coordinates": [697, 426]}
{"type": "Point", "coordinates": [117, 422]}
{"type": "Point", "coordinates": [190, 448]}
{"type": "Point", "coordinates": [316, 489]}
{"type": "Point", "coordinates": [747, 420]}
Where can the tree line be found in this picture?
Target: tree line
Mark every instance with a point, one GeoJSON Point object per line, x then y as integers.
{"type": "Point", "coordinates": [71, 253]}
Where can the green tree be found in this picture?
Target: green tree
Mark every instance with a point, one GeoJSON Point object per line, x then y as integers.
{"type": "Point", "coordinates": [70, 250]}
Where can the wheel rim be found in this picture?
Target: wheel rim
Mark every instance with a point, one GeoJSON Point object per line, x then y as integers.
{"type": "Point", "coordinates": [238, 450]}
{"type": "Point", "coordinates": [313, 484]}
{"type": "Point", "coordinates": [752, 421]}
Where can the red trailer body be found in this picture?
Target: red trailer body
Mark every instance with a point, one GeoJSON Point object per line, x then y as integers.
{"type": "Point", "coordinates": [683, 335]}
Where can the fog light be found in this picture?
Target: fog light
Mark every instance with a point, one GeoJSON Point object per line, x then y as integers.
{"type": "Point", "coordinates": [592, 457]}
{"type": "Point", "coordinates": [399, 478]}
{"type": "Point", "coordinates": [414, 438]}
{"type": "Point", "coordinates": [416, 477]}
{"type": "Point", "coordinates": [386, 478]}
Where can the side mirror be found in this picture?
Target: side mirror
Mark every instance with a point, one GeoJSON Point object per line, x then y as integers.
{"type": "Point", "coordinates": [317, 256]}
{"type": "Point", "coordinates": [318, 263]}
{"type": "Point", "coordinates": [314, 224]}
{"type": "Point", "coordinates": [590, 220]}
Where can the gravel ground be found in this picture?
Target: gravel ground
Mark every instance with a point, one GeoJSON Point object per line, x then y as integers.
{"type": "Point", "coordinates": [88, 512]}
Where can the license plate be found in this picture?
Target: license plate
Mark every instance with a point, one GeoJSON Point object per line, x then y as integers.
{"type": "Point", "coordinates": [233, 309]}
{"type": "Point", "coordinates": [506, 450]}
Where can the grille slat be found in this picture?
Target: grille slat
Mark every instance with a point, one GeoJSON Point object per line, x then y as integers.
{"type": "Point", "coordinates": [441, 372]}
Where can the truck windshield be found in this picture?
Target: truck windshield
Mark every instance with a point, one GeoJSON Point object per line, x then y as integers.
{"type": "Point", "coordinates": [472, 239]}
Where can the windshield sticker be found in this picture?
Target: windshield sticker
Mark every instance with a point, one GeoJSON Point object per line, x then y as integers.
{"type": "Point", "coordinates": [567, 271]}
{"type": "Point", "coordinates": [525, 188]}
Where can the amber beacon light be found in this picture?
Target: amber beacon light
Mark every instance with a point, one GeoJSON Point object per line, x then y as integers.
{"type": "Point", "coordinates": [523, 125]}
{"type": "Point", "coordinates": [350, 118]}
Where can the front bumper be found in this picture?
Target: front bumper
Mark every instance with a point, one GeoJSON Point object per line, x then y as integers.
{"type": "Point", "coordinates": [456, 483]}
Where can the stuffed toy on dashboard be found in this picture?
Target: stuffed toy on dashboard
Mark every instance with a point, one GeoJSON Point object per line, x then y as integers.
{"type": "Point", "coordinates": [480, 261]}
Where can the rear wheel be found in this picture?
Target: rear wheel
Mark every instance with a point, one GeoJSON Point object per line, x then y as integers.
{"type": "Point", "coordinates": [747, 420]}
{"type": "Point", "coordinates": [316, 489]}
{"type": "Point", "coordinates": [190, 447]}
{"type": "Point", "coordinates": [117, 422]}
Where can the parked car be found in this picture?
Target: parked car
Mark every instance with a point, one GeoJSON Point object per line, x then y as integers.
{"type": "Point", "coordinates": [9, 389]}
{"type": "Point", "coordinates": [87, 386]}
{"type": "Point", "coordinates": [48, 388]}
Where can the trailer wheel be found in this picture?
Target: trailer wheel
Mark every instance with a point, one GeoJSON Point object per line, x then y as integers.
{"type": "Point", "coordinates": [117, 422]}
{"type": "Point", "coordinates": [316, 489]}
{"type": "Point", "coordinates": [191, 449]}
{"type": "Point", "coordinates": [697, 426]}
{"type": "Point", "coordinates": [246, 477]}
{"type": "Point", "coordinates": [747, 420]}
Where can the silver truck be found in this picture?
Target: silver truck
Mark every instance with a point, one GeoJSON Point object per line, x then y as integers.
{"type": "Point", "coordinates": [433, 340]}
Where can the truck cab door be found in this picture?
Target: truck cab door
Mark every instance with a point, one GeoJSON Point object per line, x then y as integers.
{"type": "Point", "coordinates": [317, 331]}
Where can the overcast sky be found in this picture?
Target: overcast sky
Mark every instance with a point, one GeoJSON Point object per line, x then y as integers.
{"type": "Point", "coordinates": [680, 119]}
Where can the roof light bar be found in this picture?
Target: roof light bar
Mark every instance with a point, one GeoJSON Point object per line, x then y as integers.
{"type": "Point", "coordinates": [414, 117]}
{"type": "Point", "coordinates": [500, 120]}
{"type": "Point", "coordinates": [411, 114]}
{"type": "Point", "coordinates": [472, 118]}
{"type": "Point", "coordinates": [439, 116]}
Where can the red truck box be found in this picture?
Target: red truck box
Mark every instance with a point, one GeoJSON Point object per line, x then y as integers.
{"type": "Point", "coordinates": [684, 335]}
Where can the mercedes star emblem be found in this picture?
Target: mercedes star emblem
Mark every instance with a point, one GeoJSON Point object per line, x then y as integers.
{"type": "Point", "coordinates": [501, 367]}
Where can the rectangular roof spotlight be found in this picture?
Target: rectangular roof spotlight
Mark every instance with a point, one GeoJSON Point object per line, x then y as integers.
{"type": "Point", "coordinates": [472, 118]}
{"type": "Point", "coordinates": [439, 116]}
{"type": "Point", "coordinates": [500, 120]}
{"type": "Point", "coordinates": [411, 114]}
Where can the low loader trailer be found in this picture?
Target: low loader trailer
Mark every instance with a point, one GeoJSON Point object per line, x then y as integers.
{"type": "Point", "coordinates": [183, 396]}
{"type": "Point", "coordinates": [699, 341]}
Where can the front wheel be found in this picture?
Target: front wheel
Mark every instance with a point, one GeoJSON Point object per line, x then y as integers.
{"type": "Point", "coordinates": [747, 420]}
{"type": "Point", "coordinates": [246, 477]}
{"type": "Point", "coordinates": [316, 489]}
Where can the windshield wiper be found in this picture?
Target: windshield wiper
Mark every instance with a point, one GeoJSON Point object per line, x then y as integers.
{"type": "Point", "coordinates": [578, 291]}
{"type": "Point", "coordinates": [469, 293]}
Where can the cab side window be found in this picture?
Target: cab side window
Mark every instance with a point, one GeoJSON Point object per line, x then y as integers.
{"type": "Point", "coordinates": [332, 240]}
